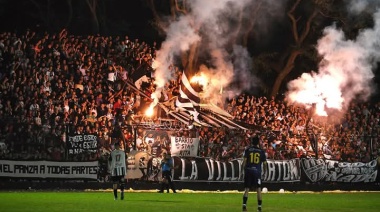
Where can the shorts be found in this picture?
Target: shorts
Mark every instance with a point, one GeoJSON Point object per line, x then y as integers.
{"type": "Point", "coordinates": [252, 178]}
{"type": "Point", "coordinates": [117, 179]}
{"type": "Point", "coordinates": [167, 175]}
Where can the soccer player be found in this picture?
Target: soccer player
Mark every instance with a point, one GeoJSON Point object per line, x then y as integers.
{"type": "Point", "coordinates": [166, 169]}
{"type": "Point", "coordinates": [253, 158]}
{"type": "Point", "coordinates": [118, 170]}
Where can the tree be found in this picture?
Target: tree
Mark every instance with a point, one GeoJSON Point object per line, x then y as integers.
{"type": "Point", "coordinates": [93, 7]}
{"type": "Point", "coordinates": [70, 13]}
{"type": "Point", "coordinates": [176, 7]}
{"type": "Point", "coordinates": [301, 28]}
{"type": "Point", "coordinates": [305, 27]}
{"type": "Point", "coordinates": [300, 33]}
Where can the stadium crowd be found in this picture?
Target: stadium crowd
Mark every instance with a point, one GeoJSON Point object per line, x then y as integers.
{"type": "Point", "coordinates": [55, 83]}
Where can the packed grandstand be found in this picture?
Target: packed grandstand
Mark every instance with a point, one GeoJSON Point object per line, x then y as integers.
{"type": "Point", "coordinates": [54, 85]}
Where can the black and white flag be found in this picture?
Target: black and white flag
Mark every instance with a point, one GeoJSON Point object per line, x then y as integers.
{"type": "Point", "coordinates": [188, 98]}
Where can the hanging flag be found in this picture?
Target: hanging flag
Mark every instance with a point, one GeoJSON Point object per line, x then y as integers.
{"type": "Point", "coordinates": [141, 74]}
{"type": "Point", "coordinates": [188, 98]}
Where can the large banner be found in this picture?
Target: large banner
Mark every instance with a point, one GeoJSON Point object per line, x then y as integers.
{"type": "Point", "coordinates": [147, 167]}
{"type": "Point", "coordinates": [49, 169]}
{"type": "Point", "coordinates": [155, 142]}
{"type": "Point", "coordinates": [337, 171]}
{"type": "Point", "coordinates": [205, 169]}
{"type": "Point", "coordinates": [184, 147]}
{"type": "Point", "coordinates": [77, 144]}
{"type": "Point", "coordinates": [282, 171]}
{"type": "Point", "coordinates": [137, 165]}
{"type": "Point", "coordinates": [144, 166]}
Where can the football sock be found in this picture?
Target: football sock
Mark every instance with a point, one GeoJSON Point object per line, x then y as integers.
{"type": "Point", "coordinates": [122, 195]}
{"type": "Point", "coordinates": [122, 191]}
{"type": "Point", "coordinates": [162, 187]}
{"type": "Point", "coordinates": [115, 193]}
{"type": "Point", "coordinates": [172, 186]}
{"type": "Point", "coordinates": [245, 200]}
{"type": "Point", "coordinates": [259, 202]}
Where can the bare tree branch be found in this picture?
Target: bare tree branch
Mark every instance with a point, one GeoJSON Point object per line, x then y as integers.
{"type": "Point", "coordinates": [181, 8]}
{"type": "Point", "coordinates": [92, 4]}
{"type": "Point", "coordinates": [252, 22]}
{"type": "Point", "coordinates": [294, 21]}
{"type": "Point", "coordinates": [307, 27]}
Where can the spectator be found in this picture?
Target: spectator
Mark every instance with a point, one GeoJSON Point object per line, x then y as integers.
{"type": "Point", "coordinates": [52, 82]}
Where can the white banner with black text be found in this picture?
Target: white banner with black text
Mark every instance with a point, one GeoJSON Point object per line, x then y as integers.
{"type": "Point", "coordinates": [49, 169]}
{"type": "Point", "coordinates": [184, 147]}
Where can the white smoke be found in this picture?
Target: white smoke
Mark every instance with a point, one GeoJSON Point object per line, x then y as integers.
{"type": "Point", "coordinates": [209, 23]}
{"type": "Point", "coordinates": [345, 72]}
{"type": "Point", "coordinates": [180, 35]}
{"type": "Point", "coordinates": [358, 6]}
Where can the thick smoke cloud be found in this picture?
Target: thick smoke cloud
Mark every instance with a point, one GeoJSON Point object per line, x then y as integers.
{"type": "Point", "coordinates": [209, 24]}
{"type": "Point", "coordinates": [345, 72]}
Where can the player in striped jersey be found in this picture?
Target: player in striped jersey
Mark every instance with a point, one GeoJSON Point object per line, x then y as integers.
{"type": "Point", "coordinates": [118, 170]}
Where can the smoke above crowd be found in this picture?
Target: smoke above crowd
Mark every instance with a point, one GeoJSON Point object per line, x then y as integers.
{"type": "Point", "coordinates": [358, 6]}
{"type": "Point", "coordinates": [209, 24]}
{"type": "Point", "coordinates": [346, 70]}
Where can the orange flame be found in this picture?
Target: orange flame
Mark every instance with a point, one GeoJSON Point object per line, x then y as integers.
{"type": "Point", "coordinates": [200, 78]}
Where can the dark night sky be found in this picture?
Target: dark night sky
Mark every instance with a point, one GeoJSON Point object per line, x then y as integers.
{"type": "Point", "coordinates": [129, 17]}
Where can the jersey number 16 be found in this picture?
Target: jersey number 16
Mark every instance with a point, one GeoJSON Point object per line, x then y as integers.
{"type": "Point", "coordinates": [254, 158]}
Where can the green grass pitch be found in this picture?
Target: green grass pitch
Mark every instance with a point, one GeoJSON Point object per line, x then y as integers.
{"type": "Point", "coordinates": [40, 201]}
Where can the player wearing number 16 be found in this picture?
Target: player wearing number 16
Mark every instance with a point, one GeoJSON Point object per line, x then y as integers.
{"type": "Point", "coordinates": [253, 159]}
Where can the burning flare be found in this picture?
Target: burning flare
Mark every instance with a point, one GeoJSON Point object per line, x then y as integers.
{"type": "Point", "coordinates": [200, 79]}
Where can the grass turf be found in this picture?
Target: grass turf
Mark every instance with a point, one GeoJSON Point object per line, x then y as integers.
{"type": "Point", "coordinates": [149, 201]}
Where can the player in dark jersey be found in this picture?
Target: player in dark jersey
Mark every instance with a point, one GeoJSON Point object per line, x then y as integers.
{"type": "Point", "coordinates": [118, 169]}
{"type": "Point", "coordinates": [253, 159]}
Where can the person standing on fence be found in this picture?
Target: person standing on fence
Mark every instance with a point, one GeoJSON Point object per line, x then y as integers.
{"type": "Point", "coordinates": [253, 159]}
{"type": "Point", "coordinates": [166, 169]}
{"type": "Point", "coordinates": [118, 169]}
